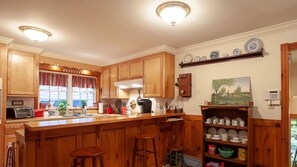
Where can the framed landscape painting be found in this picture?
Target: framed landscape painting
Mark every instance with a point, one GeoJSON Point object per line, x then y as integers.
{"type": "Point", "coordinates": [231, 91]}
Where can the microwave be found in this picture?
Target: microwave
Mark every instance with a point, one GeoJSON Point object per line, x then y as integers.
{"type": "Point", "coordinates": [19, 112]}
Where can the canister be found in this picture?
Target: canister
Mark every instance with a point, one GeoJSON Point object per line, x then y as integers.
{"type": "Point", "coordinates": [242, 154]}
{"type": "Point", "coordinates": [212, 149]}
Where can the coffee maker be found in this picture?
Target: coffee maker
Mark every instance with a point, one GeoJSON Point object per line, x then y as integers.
{"type": "Point", "coordinates": [146, 106]}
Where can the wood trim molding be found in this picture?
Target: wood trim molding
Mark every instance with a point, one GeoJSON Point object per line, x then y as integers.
{"type": "Point", "coordinates": [285, 120]}
{"type": "Point", "coordinates": [293, 116]}
{"type": "Point", "coordinates": [69, 70]}
{"type": "Point", "coordinates": [193, 117]}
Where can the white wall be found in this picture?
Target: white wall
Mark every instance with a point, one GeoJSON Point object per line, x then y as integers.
{"type": "Point", "coordinates": [265, 73]}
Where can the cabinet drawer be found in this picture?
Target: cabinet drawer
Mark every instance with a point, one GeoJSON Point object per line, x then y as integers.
{"type": "Point", "coordinates": [11, 128]}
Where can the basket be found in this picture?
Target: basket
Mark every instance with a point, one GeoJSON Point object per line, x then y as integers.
{"type": "Point", "coordinates": [226, 152]}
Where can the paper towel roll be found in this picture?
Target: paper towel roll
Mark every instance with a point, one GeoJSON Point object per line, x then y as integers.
{"type": "Point", "coordinates": [100, 108]}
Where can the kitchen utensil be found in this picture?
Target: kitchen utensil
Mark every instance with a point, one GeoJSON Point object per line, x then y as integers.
{"type": "Point", "coordinates": [139, 98]}
{"type": "Point", "coordinates": [226, 152]}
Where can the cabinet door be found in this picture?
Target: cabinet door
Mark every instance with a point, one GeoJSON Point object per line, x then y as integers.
{"type": "Point", "coordinates": [153, 74]}
{"type": "Point", "coordinates": [113, 78]}
{"type": "Point", "coordinates": [124, 71]}
{"type": "Point", "coordinates": [105, 83]}
{"type": "Point", "coordinates": [136, 68]}
{"type": "Point", "coordinates": [22, 74]}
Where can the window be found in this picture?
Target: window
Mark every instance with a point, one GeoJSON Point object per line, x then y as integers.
{"type": "Point", "coordinates": [54, 87]}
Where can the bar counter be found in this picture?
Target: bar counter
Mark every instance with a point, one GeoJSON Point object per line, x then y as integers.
{"type": "Point", "coordinates": [50, 143]}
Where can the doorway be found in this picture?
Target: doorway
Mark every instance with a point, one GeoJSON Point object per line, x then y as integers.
{"type": "Point", "coordinates": [289, 96]}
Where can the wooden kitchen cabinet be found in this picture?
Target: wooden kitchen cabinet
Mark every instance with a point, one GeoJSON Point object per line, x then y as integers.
{"type": "Point", "coordinates": [159, 75]}
{"type": "Point", "coordinates": [108, 90]}
{"type": "Point", "coordinates": [22, 74]}
{"type": "Point", "coordinates": [124, 71]}
{"type": "Point", "coordinates": [136, 68]}
{"type": "Point", "coordinates": [131, 69]}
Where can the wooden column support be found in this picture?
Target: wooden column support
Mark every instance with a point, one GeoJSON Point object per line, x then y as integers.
{"type": "Point", "coordinates": [42, 139]}
{"type": "Point", "coordinates": [99, 131]}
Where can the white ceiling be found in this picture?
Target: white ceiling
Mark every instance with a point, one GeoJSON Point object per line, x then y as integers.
{"type": "Point", "coordinates": [101, 31]}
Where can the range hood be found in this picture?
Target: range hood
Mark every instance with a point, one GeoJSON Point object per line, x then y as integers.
{"type": "Point", "coordinates": [129, 84]}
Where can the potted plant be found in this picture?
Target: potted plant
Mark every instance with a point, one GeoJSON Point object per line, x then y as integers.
{"type": "Point", "coordinates": [62, 106]}
{"type": "Point", "coordinates": [83, 103]}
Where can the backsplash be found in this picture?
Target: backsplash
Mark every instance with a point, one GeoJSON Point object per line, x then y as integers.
{"type": "Point", "coordinates": [28, 101]}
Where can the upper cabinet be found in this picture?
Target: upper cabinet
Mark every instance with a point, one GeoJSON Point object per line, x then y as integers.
{"type": "Point", "coordinates": [124, 70]}
{"type": "Point", "coordinates": [136, 68]}
{"type": "Point", "coordinates": [159, 75]}
{"type": "Point", "coordinates": [22, 74]}
{"type": "Point", "coordinates": [131, 69]}
{"type": "Point", "coordinates": [108, 77]}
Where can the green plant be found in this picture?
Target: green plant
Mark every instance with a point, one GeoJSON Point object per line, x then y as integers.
{"type": "Point", "coordinates": [62, 106]}
{"type": "Point", "coordinates": [83, 103]}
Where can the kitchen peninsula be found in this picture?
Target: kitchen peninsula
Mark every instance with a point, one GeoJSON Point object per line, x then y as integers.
{"type": "Point", "coordinates": [49, 143]}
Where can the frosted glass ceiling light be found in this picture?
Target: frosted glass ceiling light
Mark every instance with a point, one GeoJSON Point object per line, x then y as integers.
{"type": "Point", "coordinates": [35, 34]}
{"type": "Point", "coordinates": [173, 12]}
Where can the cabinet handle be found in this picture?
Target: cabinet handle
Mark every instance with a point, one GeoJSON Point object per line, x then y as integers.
{"type": "Point", "coordinates": [277, 125]}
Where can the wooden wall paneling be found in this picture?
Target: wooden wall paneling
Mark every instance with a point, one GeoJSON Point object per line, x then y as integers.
{"type": "Point", "coordinates": [267, 143]}
{"type": "Point", "coordinates": [114, 145]}
{"type": "Point", "coordinates": [61, 147]}
{"type": "Point", "coordinates": [3, 75]}
{"type": "Point", "coordinates": [192, 135]}
{"type": "Point", "coordinates": [130, 132]}
{"type": "Point", "coordinates": [166, 140]}
{"type": "Point", "coordinates": [152, 129]}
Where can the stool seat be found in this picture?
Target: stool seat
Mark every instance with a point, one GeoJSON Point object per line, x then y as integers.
{"type": "Point", "coordinates": [175, 148]}
{"type": "Point", "coordinates": [88, 152]}
{"type": "Point", "coordinates": [145, 136]}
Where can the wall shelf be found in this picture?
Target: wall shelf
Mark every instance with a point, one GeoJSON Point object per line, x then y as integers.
{"type": "Point", "coordinates": [223, 59]}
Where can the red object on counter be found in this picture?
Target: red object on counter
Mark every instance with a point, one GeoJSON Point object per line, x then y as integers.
{"type": "Point", "coordinates": [108, 110]}
{"type": "Point", "coordinates": [38, 112]}
{"type": "Point", "coordinates": [124, 110]}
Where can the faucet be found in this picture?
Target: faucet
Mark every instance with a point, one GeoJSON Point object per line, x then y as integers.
{"type": "Point", "coordinates": [84, 111]}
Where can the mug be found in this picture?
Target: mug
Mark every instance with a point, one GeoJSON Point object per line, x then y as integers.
{"type": "Point", "coordinates": [228, 122]}
{"type": "Point", "coordinates": [241, 123]}
{"type": "Point", "coordinates": [234, 122]}
{"type": "Point", "coordinates": [224, 137]}
{"type": "Point", "coordinates": [244, 141]}
{"type": "Point", "coordinates": [215, 121]}
{"type": "Point", "coordinates": [208, 120]}
{"type": "Point", "coordinates": [208, 136]}
{"type": "Point", "coordinates": [221, 121]}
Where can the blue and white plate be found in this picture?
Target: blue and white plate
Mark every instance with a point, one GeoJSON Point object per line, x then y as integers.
{"type": "Point", "coordinates": [236, 52]}
{"type": "Point", "coordinates": [253, 45]}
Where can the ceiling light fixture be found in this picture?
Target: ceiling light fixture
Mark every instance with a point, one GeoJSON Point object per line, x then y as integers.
{"type": "Point", "coordinates": [35, 34]}
{"type": "Point", "coordinates": [173, 12]}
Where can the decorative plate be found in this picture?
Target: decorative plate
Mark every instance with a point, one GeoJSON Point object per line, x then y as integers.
{"type": "Point", "coordinates": [243, 134]}
{"type": "Point", "coordinates": [188, 58]}
{"type": "Point", "coordinates": [253, 45]}
{"type": "Point", "coordinates": [236, 52]}
{"type": "Point", "coordinates": [197, 58]}
{"type": "Point", "coordinates": [212, 131]}
{"type": "Point", "coordinates": [214, 54]}
{"type": "Point", "coordinates": [232, 133]}
{"type": "Point", "coordinates": [222, 131]}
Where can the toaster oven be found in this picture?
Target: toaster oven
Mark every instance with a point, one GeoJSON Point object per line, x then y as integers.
{"type": "Point", "coordinates": [19, 112]}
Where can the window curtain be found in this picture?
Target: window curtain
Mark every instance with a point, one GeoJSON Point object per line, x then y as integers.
{"type": "Point", "coordinates": [83, 82]}
{"type": "Point", "coordinates": [53, 79]}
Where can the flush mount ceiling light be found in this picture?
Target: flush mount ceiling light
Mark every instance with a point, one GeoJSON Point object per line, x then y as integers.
{"type": "Point", "coordinates": [173, 12]}
{"type": "Point", "coordinates": [35, 34]}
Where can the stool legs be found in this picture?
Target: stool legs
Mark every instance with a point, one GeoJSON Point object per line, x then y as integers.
{"type": "Point", "coordinates": [94, 162]}
{"type": "Point", "coordinates": [82, 162]}
{"type": "Point", "coordinates": [144, 159]}
{"type": "Point", "coordinates": [155, 152]}
{"type": "Point", "coordinates": [74, 162]}
{"type": "Point", "coordinates": [101, 162]}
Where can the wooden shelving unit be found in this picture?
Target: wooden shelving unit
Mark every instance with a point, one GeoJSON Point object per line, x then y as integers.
{"type": "Point", "coordinates": [232, 160]}
{"type": "Point", "coordinates": [223, 59]}
{"type": "Point", "coordinates": [233, 112]}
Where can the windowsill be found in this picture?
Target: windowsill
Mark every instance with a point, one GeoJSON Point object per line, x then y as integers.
{"type": "Point", "coordinates": [73, 108]}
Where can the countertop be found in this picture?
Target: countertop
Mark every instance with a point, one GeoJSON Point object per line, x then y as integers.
{"type": "Point", "coordinates": [93, 120]}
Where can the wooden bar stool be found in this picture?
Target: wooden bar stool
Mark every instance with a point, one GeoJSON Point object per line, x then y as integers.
{"type": "Point", "coordinates": [88, 152]}
{"type": "Point", "coordinates": [176, 156]}
{"type": "Point", "coordinates": [144, 137]}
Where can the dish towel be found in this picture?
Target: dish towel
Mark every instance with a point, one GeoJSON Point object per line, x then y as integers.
{"type": "Point", "coordinates": [10, 160]}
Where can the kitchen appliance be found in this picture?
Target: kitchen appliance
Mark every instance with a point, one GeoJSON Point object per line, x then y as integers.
{"type": "Point", "coordinates": [19, 112]}
{"type": "Point", "coordinates": [146, 106]}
